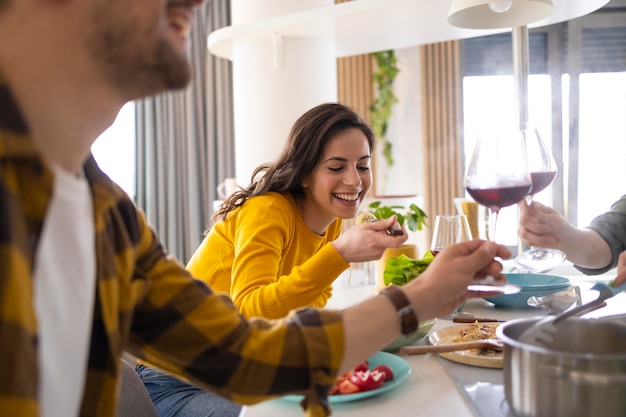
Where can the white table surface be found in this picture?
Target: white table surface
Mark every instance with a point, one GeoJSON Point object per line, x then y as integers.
{"type": "Point", "coordinates": [428, 390]}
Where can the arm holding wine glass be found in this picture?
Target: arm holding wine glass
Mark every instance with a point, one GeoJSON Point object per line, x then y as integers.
{"type": "Point", "coordinates": [621, 270]}
{"type": "Point", "coordinates": [594, 249]}
{"type": "Point", "coordinates": [543, 170]}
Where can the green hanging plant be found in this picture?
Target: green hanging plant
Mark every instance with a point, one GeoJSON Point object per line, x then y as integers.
{"type": "Point", "coordinates": [380, 111]}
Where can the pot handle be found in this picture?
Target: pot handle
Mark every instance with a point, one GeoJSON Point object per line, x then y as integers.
{"type": "Point", "coordinates": [583, 377]}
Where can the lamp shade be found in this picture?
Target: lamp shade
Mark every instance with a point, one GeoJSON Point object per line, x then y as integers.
{"type": "Point", "coordinates": [494, 14]}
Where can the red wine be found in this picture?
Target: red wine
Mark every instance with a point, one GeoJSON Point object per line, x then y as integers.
{"type": "Point", "coordinates": [499, 197]}
{"type": "Point", "coordinates": [540, 180]}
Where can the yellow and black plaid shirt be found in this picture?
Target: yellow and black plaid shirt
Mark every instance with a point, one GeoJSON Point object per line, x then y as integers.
{"type": "Point", "coordinates": [146, 303]}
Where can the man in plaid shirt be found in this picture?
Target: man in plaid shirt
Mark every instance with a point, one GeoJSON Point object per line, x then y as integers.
{"type": "Point", "coordinates": [82, 275]}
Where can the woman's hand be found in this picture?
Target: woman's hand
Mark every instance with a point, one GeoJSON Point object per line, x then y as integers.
{"type": "Point", "coordinates": [368, 241]}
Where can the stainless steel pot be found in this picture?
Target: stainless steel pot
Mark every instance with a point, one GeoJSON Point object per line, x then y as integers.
{"type": "Point", "coordinates": [581, 374]}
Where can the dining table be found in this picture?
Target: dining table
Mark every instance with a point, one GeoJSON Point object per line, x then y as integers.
{"type": "Point", "coordinates": [436, 386]}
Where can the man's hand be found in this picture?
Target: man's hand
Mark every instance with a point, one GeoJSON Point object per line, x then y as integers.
{"type": "Point", "coordinates": [446, 279]}
{"type": "Point", "coordinates": [540, 225]}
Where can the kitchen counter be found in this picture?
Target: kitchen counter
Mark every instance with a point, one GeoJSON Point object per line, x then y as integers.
{"type": "Point", "coordinates": [436, 386]}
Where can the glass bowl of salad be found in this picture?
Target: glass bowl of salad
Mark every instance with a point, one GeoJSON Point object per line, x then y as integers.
{"type": "Point", "coordinates": [422, 331]}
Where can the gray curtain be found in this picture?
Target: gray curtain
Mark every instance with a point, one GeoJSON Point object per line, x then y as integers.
{"type": "Point", "coordinates": [185, 143]}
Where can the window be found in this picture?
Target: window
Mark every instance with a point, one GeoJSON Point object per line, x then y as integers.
{"type": "Point", "coordinates": [114, 150]}
{"type": "Point", "coordinates": [490, 100]}
{"type": "Point", "coordinates": [601, 143]}
{"type": "Point", "coordinates": [576, 94]}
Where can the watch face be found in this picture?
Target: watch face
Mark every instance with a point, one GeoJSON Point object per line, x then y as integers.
{"type": "Point", "coordinates": [409, 321]}
{"type": "Point", "coordinates": [406, 314]}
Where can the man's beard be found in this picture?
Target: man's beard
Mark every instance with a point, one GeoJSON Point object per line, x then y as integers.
{"type": "Point", "coordinates": [172, 66]}
{"type": "Point", "coordinates": [138, 70]}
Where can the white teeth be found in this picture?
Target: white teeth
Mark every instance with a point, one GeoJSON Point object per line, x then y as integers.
{"type": "Point", "coordinates": [347, 197]}
{"type": "Point", "coordinates": [180, 24]}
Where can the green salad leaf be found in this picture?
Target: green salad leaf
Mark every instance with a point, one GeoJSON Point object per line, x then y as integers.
{"type": "Point", "coordinates": [402, 269]}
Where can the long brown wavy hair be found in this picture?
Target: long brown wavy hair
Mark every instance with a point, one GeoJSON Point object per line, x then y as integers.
{"type": "Point", "coordinates": [305, 145]}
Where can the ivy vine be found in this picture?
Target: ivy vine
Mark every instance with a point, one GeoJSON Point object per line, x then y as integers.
{"type": "Point", "coordinates": [380, 111]}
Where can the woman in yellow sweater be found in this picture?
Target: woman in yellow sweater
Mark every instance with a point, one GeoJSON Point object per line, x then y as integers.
{"type": "Point", "coordinates": [276, 245]}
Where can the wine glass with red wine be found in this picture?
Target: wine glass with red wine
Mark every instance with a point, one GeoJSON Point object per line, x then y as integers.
{"type": "Point", "coordinates": [497, 175]}
{"type": "Point", "coordinates": [543, 170]}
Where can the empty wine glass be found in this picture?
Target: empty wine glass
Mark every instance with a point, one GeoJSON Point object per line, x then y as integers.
{"type": "Point", "coordinates": [447, 231]}
{"type": "Point", "coordinates": [543, 170]}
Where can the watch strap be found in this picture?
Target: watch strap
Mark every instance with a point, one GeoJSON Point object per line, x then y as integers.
{"type": "Point", "coordinates": [406, 313]}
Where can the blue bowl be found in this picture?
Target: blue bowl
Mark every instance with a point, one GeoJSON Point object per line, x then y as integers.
{"type": "Point", "coordinates": [536, 285]}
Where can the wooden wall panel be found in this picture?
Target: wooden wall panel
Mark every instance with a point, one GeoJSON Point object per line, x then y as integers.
{"type": "Point", "coordinates": [356, 88]}
{"type": "Point", "coordinates": [354, 83]}
{"type": "Point", "coordinates": [443, 150]}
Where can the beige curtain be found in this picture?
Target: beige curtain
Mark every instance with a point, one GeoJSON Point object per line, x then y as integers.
{"type": "Point", "coordinates": [185, 143]}
{"type": "Point", "coordinates": [442, 136]}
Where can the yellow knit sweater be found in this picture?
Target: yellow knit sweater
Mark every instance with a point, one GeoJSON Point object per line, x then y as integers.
{"type": "Point", "coordinates": [267, 259]}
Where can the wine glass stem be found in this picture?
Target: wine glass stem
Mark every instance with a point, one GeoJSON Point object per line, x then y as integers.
{"type": "Point", "coordinates": [491, 234]}
{"type": "Point", "coordinates": [536, 250]}
{"type": "Point", "coordinates": [529, 199]}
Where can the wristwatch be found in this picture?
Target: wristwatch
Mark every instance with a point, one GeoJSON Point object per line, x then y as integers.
{"type": "Point", "coordinates": [406, 313]}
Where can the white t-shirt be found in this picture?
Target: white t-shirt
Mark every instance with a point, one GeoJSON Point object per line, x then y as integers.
{"type": "Point", "coordinates": [65, 281]}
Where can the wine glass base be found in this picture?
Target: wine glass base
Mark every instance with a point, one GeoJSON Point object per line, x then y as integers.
{"type": "Point", "coordinates": [539, 259]}
{"type": "Point", "coordinates": [457, 313]}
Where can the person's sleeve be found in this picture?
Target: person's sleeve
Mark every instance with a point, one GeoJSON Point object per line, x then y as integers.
{"type": "Point", "coordinates": [181, 326]}
{"type": "Point", "coordinates": [611, 226]}
{"type": "Point", "coordinates": [257, 289]}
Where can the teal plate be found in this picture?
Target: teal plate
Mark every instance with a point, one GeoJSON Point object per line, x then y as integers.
{"type": "Point", "coordinates": [401, 370]}
{"type": "Point", "coordinates": [529, 281]}
{"type": "Point", "coordinates": [531, 285]}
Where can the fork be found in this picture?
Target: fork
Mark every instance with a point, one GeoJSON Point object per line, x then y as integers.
{"type": "Point", "coordinates": [367, 217]}
{"type": "Point", "coordinates": [543, 331]}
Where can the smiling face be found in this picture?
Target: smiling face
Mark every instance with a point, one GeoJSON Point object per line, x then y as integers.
{"type": "Point", "coordinates": [142, 45]}
{"type": "Point", "coordinates": [339, 182]}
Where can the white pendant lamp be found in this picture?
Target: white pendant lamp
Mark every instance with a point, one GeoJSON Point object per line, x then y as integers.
{"type": "Point", "coordinates": [493, 14]}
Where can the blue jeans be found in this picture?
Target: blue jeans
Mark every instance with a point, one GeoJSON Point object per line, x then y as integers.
{"type": "Point", "coordinates": [175, 398]}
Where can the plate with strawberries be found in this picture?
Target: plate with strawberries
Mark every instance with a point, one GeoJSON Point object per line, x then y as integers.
{"type": "Point", "coordinates": [380, 373]}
